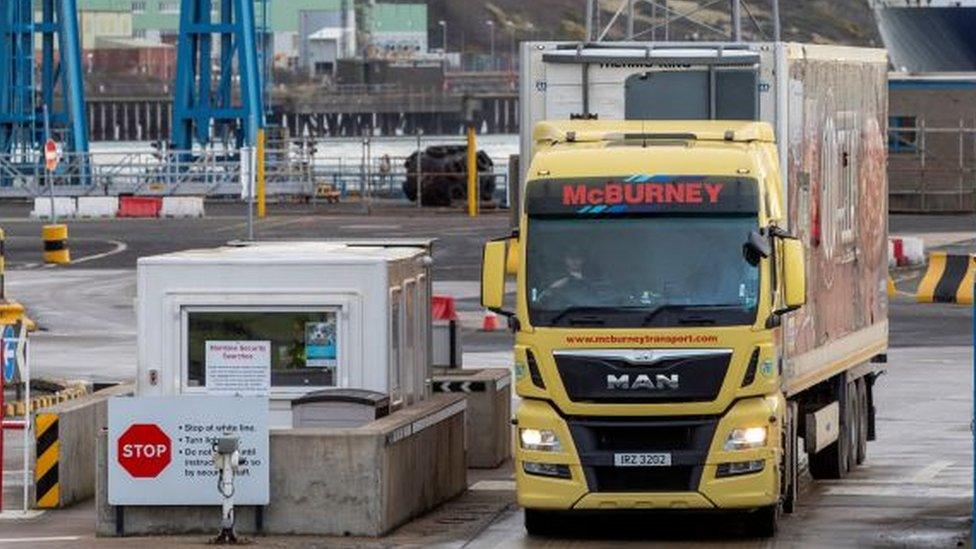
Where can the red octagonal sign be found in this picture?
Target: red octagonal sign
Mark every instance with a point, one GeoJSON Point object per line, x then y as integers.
{"type": "Point", "coordinates": [144, 450]}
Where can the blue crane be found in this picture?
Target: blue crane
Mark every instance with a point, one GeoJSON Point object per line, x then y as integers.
{"type": "Point", "coordinates": [61, 88]}
{"type": "Point", "coordinates": [231, 101]}
{"type": "Point", "coordinates": [197, 102]}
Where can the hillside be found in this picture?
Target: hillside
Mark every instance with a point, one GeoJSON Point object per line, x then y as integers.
{"type": "Point", "coordinates": [847, 22]}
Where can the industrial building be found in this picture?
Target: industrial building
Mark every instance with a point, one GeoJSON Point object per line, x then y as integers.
{"type": "Point", "coordinates": [932, 142]}
{"type": "Point", "coordinates": [310, 35]}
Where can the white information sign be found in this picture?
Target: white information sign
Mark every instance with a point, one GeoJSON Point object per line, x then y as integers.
{"type": "Point", "coordinates": [238, 367]}
{"type": "Point", "coordinates": [160, 449]}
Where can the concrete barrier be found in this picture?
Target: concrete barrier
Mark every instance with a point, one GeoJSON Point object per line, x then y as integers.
{"type": "Point", "coordinates": [488, 423]}
{"type": "Point", "coordinates": [139, 206]}
{"type": "Point", "coordinates": [98, 206]}
{"type": "Point", "coordinates": [65, 447]}
{"type": "Point", "coordinates": [363, 481]}
{"type": "Point", "coordinates": [905, 251]}
{"type": "Point", "coordinates": [64, 206]}
{"type": "Point", "coordinates": [948, 279]}
{"type": "Point", "coordinates": [182, 206]}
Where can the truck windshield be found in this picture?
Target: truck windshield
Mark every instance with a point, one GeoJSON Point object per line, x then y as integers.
{"type": "Point", "coordinates": [638, 271]}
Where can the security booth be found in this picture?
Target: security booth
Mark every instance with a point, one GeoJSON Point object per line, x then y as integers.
{"type": "Point", "coordinates": [286, 319]}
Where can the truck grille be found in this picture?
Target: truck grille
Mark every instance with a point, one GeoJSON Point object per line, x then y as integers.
{"type": "Point", "coordinates": [686, 439]}
{"type": "Point", "coordinates": [602, 377]}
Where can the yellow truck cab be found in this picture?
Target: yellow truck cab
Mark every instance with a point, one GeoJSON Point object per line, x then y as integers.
{"type": "Point", "coordinates": [694, 297]}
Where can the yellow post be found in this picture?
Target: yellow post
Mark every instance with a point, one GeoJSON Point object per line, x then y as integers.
{"type": "Point", "coordinates": [260, 174]}
{"type": "Point", "coordinates": [473, 194]}
{"type": "Point", "coordinates": [56, 244]}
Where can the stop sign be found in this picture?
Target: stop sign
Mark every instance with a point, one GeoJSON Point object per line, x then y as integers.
{"type": "Point", "coordinates": [144, 450]}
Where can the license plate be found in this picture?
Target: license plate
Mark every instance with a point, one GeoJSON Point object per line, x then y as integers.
{"type": "Point", "coordinates": [642, 460]}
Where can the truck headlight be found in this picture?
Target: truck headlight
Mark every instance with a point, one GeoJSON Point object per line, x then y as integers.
{"type": "Point", "coordinates": [540, 440]}
{"type": "Point", "coordinates": [744, 439]}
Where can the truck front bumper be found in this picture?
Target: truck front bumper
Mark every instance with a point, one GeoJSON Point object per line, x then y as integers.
{"type": "Point", "coordinates": [581, 473]}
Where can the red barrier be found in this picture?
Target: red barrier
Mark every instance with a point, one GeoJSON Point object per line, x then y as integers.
{"type": "Point", "coordinates": [442, 307]}
{"type": "Point", "coordinates": [139, 206]}
{"type": "Point", "coordinates": [899, 249]}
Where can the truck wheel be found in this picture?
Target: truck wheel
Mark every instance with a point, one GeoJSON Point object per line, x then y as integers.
{"type": "Point", "coordinates": [763, 522]}
{"type": "Point", "coordinates": [832, 461]}
{"type": "Point", "coordinates": [863, 411]}
{"type": "Point", "coordinates": [541, 523]}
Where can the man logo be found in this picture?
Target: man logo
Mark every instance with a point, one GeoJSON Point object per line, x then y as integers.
{"type": "Point", "coordinates": [642, 382]}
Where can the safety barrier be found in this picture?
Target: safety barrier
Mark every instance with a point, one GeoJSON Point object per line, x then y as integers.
{"type": "Point", "coordinates": [97, 206]}
{"type": "Point", "coordinates": [64, 206]}
{"type": "Point", "coordinates": [21, 408]}
{"type": "Point", "coordinates": [56, 244]}
{"type": "Point", "coordinates": [139, 206]}
{"type": "Point", "coordinates": [182, 206]}
{"type": "Point", "coordinates": [949, 279]}
{"type": "Point", "coordinates": [46, 465]}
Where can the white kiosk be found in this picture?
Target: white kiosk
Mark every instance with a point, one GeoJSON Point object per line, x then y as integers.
{"type": "Point", "coordinates": [287, 318]}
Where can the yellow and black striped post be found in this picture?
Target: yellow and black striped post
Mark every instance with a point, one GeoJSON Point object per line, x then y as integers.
{"type": "Point", "coordinates": [56, 244]}
{"type": "Point", "coordinates": [3, 265]}
{"type": "Point", "coordinates": [46, 487]}
{"type": "Point", "coordinates": [949, 279]}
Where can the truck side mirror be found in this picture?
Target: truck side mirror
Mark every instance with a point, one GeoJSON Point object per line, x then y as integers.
{"type": "Point", "coordinates": [493, 263]}
{"type": "Point", "coordinates": [794, 274]}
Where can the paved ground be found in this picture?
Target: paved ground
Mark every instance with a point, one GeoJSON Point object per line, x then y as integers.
{"type": "Point", "coordinates": [915, 490]}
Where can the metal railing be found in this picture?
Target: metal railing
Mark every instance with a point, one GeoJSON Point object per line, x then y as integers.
{"type": "Point", "coordinates": [932, 169]}
{"type": "Point", "coordinates": [293, 168]}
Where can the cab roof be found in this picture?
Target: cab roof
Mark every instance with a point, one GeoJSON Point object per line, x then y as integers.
{"type": "Point", "coordinates": [552, 132]}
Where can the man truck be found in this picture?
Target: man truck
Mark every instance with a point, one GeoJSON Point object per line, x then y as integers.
{"type": "Point", "coordinates": [700, 264]}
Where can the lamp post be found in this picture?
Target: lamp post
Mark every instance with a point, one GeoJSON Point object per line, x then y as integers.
{"type": "Point", "coordinates": [491, 30]}
{"type": "Point", "coordinates": [511, 54]}
{"type": "Point", "coordinates": [443, 25]}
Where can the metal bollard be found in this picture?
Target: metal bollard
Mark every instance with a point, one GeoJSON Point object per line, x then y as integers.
{"type": "Point", "coordinates": [56, 244]}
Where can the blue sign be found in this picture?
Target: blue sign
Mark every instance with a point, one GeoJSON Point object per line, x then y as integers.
{"type": "Point", "coordinates": [9, 354]}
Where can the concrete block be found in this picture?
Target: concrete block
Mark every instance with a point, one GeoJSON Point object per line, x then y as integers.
{"type": "Point", "coordinates": [78, 423]}
{"type": "Point", "coordinates": [446, 339]}
{"type": "Point", "coordinates": [64, 206]}
{"type": "Point", "coordinates": [98, 206]}
{"type": "Point", "coordinates": [488, 423]}
{"type": "Point", "coordinates": [362, 481]}
{"type": "Point", "coordinates": [182, 206]}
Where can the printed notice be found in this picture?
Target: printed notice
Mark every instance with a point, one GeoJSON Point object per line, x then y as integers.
{"type": "Point", "coordinates": [320, 343]}
{"type": "Point", "coordinates": [160, 449]}
{"type": "Point", "coordinates": [240, 368]}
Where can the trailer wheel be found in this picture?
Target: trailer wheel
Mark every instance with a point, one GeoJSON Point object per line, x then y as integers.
{"type": "Point", "coordinates": [763, 522]}
{"type": "Point", "coordinates": [541, 523]}
{"type": "Point", "coordinates": [863, 411]}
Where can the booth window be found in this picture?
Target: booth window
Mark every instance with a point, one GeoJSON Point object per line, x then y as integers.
{"type": "Point", "coordinates": [304, 344]}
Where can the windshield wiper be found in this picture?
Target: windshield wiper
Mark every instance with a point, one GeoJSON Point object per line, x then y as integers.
{"type": "Point", "coordinates": [590, 317]}
{"type": "Point", "coordinates": [690, 319]}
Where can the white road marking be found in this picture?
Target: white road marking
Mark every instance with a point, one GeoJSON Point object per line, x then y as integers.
{"type": "Point", "coordinates": [493, 485]}
{"type": "Point", "coordinates": [119, 248]}
{"type": "Point", "coordinates": [902, 491]}
{"type": "Point", "coordinates": [50, 539]}
{"type": "Point", "coordinates": [929, 472]}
